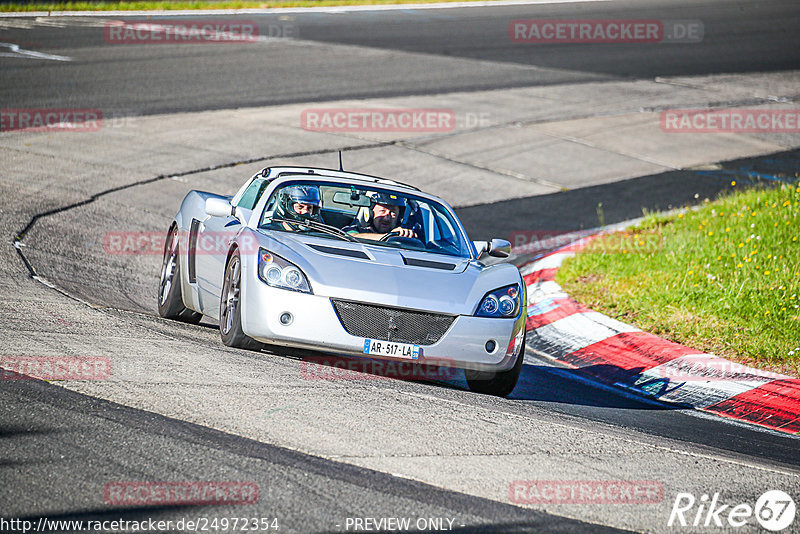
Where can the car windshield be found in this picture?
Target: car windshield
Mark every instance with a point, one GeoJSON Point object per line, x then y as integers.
{"type": "Point", "coordinates": [368, 215]}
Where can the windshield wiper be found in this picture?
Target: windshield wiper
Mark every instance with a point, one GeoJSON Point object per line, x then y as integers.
{"type": "Point", "coordinates": [322, 227]}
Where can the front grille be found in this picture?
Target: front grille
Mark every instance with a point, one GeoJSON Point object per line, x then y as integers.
{"type": "Point", "coordinates": [392, 324]}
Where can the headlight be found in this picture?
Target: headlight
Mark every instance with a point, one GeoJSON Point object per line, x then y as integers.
{"type": "Point", "coordinates": [504, 302]}
{"type": "Point", "coordinates": [278, 272]}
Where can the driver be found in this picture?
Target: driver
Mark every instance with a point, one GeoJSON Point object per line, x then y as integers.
{"type": "Point", "coordinates": [299, 203]}
{"type": "Point", "coordinates": [383, 218]}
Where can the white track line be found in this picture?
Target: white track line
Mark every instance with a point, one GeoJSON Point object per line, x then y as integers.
{"type": "Point", "coordinates": [18, 52]}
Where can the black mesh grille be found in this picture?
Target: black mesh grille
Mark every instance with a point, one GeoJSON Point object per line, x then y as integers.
{"type": "Point", "coordinates": [392, 324]}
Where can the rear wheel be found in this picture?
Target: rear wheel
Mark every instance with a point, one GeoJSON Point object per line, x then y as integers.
{"type": "Point", "coordinates": [500, 384]}
{"type": "Point", "coordinates": [230, 308]}
{"type": "Point", "coordinates": [170, 299]}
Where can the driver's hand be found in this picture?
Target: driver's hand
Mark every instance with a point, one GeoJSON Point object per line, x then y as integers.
{"type": "Point", "coordinates": [403, 232]}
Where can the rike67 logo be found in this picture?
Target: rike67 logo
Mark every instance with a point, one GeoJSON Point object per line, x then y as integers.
{"type": "Point", "coordinates": [774, 511]}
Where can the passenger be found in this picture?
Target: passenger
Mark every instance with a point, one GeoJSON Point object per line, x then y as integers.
{"type": "Point", "coordinates": [299, 203]}
{"type": "Point", "coordinates": [383, 218]}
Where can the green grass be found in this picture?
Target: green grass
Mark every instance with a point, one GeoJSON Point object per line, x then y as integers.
{"type": "Point", "coordinates": [723, 278]}
{"type": "Point", "coordinates": [181, 5]}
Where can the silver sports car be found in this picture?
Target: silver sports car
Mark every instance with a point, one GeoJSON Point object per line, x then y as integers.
{"type": "Point", "coordinates": [348, 264]}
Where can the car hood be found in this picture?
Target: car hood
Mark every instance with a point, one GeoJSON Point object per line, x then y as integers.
{"type": "Point", "coordinates": [388, 276]}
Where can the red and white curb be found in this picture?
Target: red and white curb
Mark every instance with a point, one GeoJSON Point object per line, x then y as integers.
{"type": "Point", "coordinates": [623, 356]}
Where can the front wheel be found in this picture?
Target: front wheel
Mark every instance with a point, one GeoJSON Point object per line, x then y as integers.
{"type": "Point", "coordinates": [499, 384]}
{"type": "Point", "coordinates": [230, 307]}
{"type": "Point", "coordinates": [170, 299]}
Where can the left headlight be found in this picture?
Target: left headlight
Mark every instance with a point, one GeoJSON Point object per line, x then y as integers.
{"type": "Point", "coordinates": [278, 272]}
{"type": "Point", "coordinates": [504, 302]}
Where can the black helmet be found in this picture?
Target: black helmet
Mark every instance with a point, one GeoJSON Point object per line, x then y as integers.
{"type": "Point", "coordinates": [384, 199]}
{"type": "Point", "coordinates": [299, 194]}
{"type": "Point", "coordinates": [388, 199]}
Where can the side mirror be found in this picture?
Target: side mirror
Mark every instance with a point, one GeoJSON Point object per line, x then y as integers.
{"type": "Point", "coordinates": [218, 207]}
{"type": "Point", "coordinates": [499, 248]}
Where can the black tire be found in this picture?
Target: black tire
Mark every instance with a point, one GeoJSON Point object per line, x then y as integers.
{"type": "Point", "coordinates": [499, 384]}
{"type": "Point", "coordinates": [170, 299]}
{"type": "Point", "coordinates": [230, 310]}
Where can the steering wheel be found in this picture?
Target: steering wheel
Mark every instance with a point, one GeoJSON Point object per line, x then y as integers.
{"type": "Point", "coordinates": [389, 236]}
{"type": "Point", "coordinates": [404, 242]}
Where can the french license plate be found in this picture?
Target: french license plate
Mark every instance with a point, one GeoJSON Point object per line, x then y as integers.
{"type": "Point", "coordinates": [390, 348]}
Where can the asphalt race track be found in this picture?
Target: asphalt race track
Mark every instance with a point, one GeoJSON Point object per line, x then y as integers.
{"type": "Point", "coordinates": [551, 137]}
{"type": "Point", "coordinates": [425, 52]}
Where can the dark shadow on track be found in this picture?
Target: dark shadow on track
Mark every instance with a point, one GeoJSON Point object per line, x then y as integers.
{"type": "Point", "coordinates": [595, 206]}
{"type": "Point", "coordinates": [12, 430]}
{"type": "Point", "coordinates": [735, 37]}
{"type": "Point", "coordinates": [101, 441]}
{"type": "Point", "coordinates": [568, 386]}
{"type": "Point", "coordinates": [536, 383]}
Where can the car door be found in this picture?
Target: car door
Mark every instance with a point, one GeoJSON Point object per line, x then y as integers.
{"type": "Point", "coordinates": [214, 235]}
{"type": "Point", "coordinates": [212, 241]}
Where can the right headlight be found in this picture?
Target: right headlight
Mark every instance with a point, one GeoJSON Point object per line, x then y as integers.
{"type": "Point", "coordinates": [278, 272]}
{"type": "Point", "coordinates": [504, 302]}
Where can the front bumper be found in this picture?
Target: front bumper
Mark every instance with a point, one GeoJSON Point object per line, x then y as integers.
{"type": "Point", "coordinates": [316, 326]}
